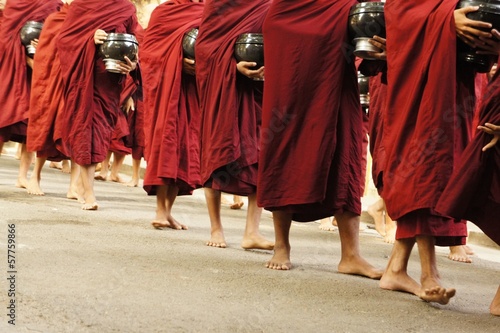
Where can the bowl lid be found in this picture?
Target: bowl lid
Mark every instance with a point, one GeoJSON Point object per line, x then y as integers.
{"type": "Point", "coordinates": [193, 33]}
{"type": "Point", "coordinates": [367, 7]}
{"type": "Point", "coordinates": [490, 6]}
{"type": "Point", "coordinates": [33, 24]}
{"type": "Point", "coordinates": [114, 36]}
{"type": "Point", "coordinates": [250, 38]}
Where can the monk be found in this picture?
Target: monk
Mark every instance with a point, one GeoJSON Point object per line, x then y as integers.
{"type": "Point", "coordinates": [171, 112]}
{"type": "Point", "coordinates": [45, 103]}
{"type": "Point", "coordinates": [426, 127]}
{"type": "Point", "coordinates": [91, 93]}
{"type": "Point", "coordinates": [230, 101]}
{"type": "Point", "coordinates": [15, 70]}
{"type": "Point", "coordinates": [312, 132]}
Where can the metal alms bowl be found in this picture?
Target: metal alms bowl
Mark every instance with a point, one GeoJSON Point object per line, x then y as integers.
{"type": "Point", "coordinates": [188, 43]}
{"type": "Point", "coordinates": [364, 93]}
{"type": "Point", "coordinates": [250, 47]}
{"type": "Point", "coordinates": [30, 31]}
{"type": "Point", "coordinates": [489, 11]}
{"type": "Point", "coordinates": [116, 47]}
{"type": "Point", "coordinates": [366, 20]}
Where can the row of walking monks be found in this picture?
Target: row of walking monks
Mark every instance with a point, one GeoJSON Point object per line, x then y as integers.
{"type": "Point", "coordinates": [293, 144]}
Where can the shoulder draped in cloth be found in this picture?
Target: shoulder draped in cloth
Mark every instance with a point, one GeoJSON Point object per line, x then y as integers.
{"type": "Point", "coordinates": [172, 115]}
{"type": "Point", "coordinates": [310, 161]}
{"type": "Point", "coordinates": [92, 95]}
{"type": "Point", "coordinates": [230, 102]}
{"type": "Point", "coordinates": [15, 73]}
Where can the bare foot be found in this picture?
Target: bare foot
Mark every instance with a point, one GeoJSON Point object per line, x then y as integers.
{"type": "Point", "coordinates": [356, 265]}
{"type": "Point", "coordinates": [281, 259]}
{"type": "Point", "coordinates": [237, 205]}
{"type": "Point", "coordinates": [327, 225]}
{"type": "Point", "coordinates": [468, 250]}
{"type": "Point", "coordinates": [390, 230]}
{"type": "Point", "coordinates": [132, 183]}
{"type": "Point", "coordinates": [224, 201]}
{"type": "Point", "coordinates": [55, 165]}
{"type": "Point", "coordinates": [438, 295]}
{"type": "Point", "coordinates": [117, 179]}
{"type": "Point", "coordinates": [399, 281]}
{"type": "Point", "coordinates": [256, 242]}
{"type": "Point", "coordinates": [90, 206]}
{"type": "Point", "coordinates": [73, 195]}
{"type": "Point", "coordinates": [34, 187]}
{"type": "Point", "coordinates": [217, 240]}
{"type": "Point", "coordinates": [100, 177]}
{"type": "Point", "coordinates": [495, 304]}
{"type": "Point", "coordinates": [169, 223]}
{"type": "Point", "coordinates": [66, 167]}
{"type": "Point", "coordinates": [458, 253]}
{"type": "Point", "coordinates": [22, 182]}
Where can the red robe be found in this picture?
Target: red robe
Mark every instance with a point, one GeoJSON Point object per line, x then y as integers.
{"type": "Point", "coordinates": [15, 73]}
{"type": "Point", "coordinates": [473, 192]}
{"type": "Point", "coordinates": [172, 114]}
{"type": "Point", "coordinates": [312, 130]}
{"type": "Point", "coordinates": [47, 90]}
{"type": "Point", "coordinates": [91, 93]}
{"type": "Point", "coordinates": [429, 113]}
{"type": "Point", "coordinates": [230, 102]}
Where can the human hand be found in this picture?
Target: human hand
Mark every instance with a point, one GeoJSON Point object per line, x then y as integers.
{"type": "Point", "coordinates": [470, 31]}
{"type": "Point", "coordinates": [129, 105]}
{"type": "Point", "coordinates": [34, 43]}
{"type": "Point", "coordinates": [493, 130]}
{"type": "Point", "coordinates": [188, 66]}
{"type": "Point", "coordinates": [381, 44]}
{"type": "Point", "coordinates": [100, 36]}
{"type": "Point", "coordinates": [126, 66]}
{"type": "Point", "coordinates": [245, 68]}
{"type": "Point", "coordinates": [491, 45]}
{"type": "Point", "coordinates": [29, 62]}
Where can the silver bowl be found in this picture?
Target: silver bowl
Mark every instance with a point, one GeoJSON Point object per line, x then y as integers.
{"type": "Point", "coordinates": [250, 47]}
{"type": "Point", "coordinates": [30, 31]}
{"type": "Point", "coordinates": [116, 47]}
{"type": "Point", "coordinates": [188, 43]}
{"type": "Point", "coordinates": [364, 93]}
{"type": "Point", "coordinates": [366, 20]}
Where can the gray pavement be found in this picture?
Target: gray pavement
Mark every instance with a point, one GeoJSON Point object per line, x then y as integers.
{"type": "Point", "coordinates": [109, 271]}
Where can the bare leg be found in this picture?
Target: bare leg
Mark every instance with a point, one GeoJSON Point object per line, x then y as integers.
{"type": "Point", "coordinates": [165, 197]}
{"type": "Point", "coordinates": [252, 239]}
{"type": "Point", "coordinates": [1, 148]}
{"type": "Point", "coordinates": [136, 166]}
{"type": "Point", "coordinates": [18, 151]}
{"type": "Point", "coordinates": [495, 304]}
{"type": "Point", "coordinates": [76, 190]}
{"type": "Point", "coordinates": [390, 229]}
{"type": "Point", "coordinates": [281, 258]}
{"type": "Point", "coordinates": [351, 261]}
{"type": "Point", "coordinates": [115, 168]}
{"type": "Point", "coordinates": [458, 253]}
{"type": "Point", "coordinates": [103, 173]}
{"type": "Point", "coordinates": [34, 182]}
{"type": "Point", "coordinates": [213, 198]}
{"type": "Point", "coordinates": [24, 166]}
{"type": "Point", "coordinates": [430, 280]}
{"type": "Point", "coordinates": [55, 165]}
{"type": "Point", "coordinates": [237, 202]}
{"type": "Point", "coordinates": [326, 224]}
{"type": "Point", "coordinates": [66, 168]}
{"type": "Point", "coordinates": [87, 173]}
{"type": "Point", "coordinates": [396, 274]}
{"type": "Point", "coordinates": [376, 211]}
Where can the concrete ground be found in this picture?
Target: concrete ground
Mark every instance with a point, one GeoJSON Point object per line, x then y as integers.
{"type": "Point", "coordinates": [110, 271]}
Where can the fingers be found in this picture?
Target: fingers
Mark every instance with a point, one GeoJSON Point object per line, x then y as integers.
{"type": "Point", "coordinates": [188, 61]}
{"type": "Point", "coordinates": [100, 36]}
{"type": "Point", "coordinates": [380, 42]}
{"type": "Point", "coordinates": [492, 143]}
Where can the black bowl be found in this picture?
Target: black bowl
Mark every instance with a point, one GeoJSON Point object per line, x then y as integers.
{"type": "Point", "coordinates": [188, 43]}
{"type": "Point", "coordinates": [489, 11]}
{"type": "Point", "coordinates": [366, 20]}
{"type": "Point", "coordinates": [364, 93]}
{"type": "Point", "coordinates": [250, 47]}
{"type": "Point", "coordinates": [31, 30]}
{"type": "Point", "coordinates": [116, 47]}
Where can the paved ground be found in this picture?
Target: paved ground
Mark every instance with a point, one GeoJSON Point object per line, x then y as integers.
{"type": "Point", "coordinates": [109, 271]}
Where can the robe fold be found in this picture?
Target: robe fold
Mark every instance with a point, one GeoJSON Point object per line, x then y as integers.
{"type": "Point", "coordinates": [47, 90]}
{"type": "Point", "coordinates": [91, 93]}
{"type": "Point", "coordinates": [473, 192]}
{"type": "Point", "coordinates": [15, 73]}
{"type": "Point", "coordinates": [171, 111]}
{"type": "Point", "coordinates": [430, 103]}
{"type": "Point", "coordinates": [230, 103]}
{"type": "Point", "coordinates": [310, 161]}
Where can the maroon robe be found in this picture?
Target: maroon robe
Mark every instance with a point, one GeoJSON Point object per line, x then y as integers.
{"type": "Point", "coordinates": [91, 93]}
{"type": "Point", "coordinates": [473, 192]}
{"type": "Point", "coordinates": [47, 90]}
{"type": "Point", "coordinates": [15, 73]}
{"type": "Point", "coordinates": [312, 130]}
{"type": "Point", "coordinates": [230, 102]}
{"type": "Point", "coordinates": [172, 114]}
{"type": "Point", "coordinates": [429, 115]}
